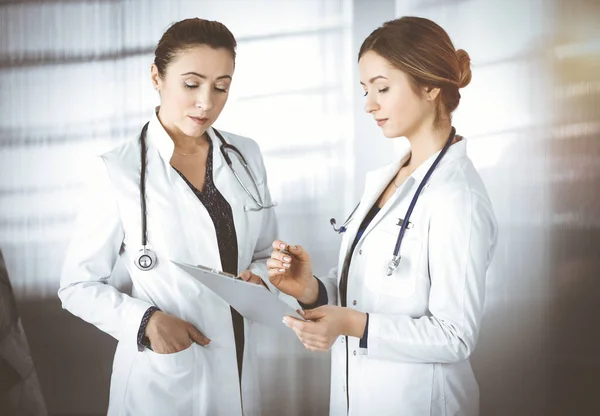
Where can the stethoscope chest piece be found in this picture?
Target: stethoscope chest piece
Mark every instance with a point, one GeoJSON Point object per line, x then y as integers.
{"type": "Point", "coordinates": [146, 259]}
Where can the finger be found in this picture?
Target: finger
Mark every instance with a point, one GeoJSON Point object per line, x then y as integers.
{"type": "Point", "coordinates": [301, 326]}
{"type": "Point", "coordinates": [246, 275]}
{"type": "Point", "coordinates": [299, 252]}
{"type": "Point", "coordinates": [314, 314]}
{"type": "Point", "coordinates": [197, 336]}
{"type": "Point", "coordinates": [181, 345]}
{"type": "Point", "coordinates": [275, 265]}
{"type": "Point", "coordinates": [311, 339]}
{"type": "Point", "coordinates": [318, 345]}
{"type": "Point", "coordinates": [314, 340]}
{"type": "Point", "coordinates": [279, 245]}
{"type": "Point", "coordinates": [313, 348]}
{"type": "Point", "coordinates": [171, 346]}
{"type": "Point", "coordinates": [159, 347]}
{"type": "Point", "coordinates": [255, 279]}
{"type": "Point", "coordinates": [273, 273]}
{"type": "Point", "coordinates": [282, 256]}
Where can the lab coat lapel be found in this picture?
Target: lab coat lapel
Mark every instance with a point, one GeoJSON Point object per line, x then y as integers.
{"type": "Point", "coordinates": [228, 186]}
{"type": "Point", "coordinates": [413, 181]}
{"type": "Point", "coordinates": [406, 186]}
{"type": "Point", "coordinates": [165, 188]}
{"type": "Point", "coordinates": [375, 184]}
{"type": "Point", "coordinates": [186, 214]}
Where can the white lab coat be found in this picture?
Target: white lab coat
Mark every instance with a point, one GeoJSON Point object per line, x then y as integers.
{"type": "Point", "coordinates": [198, 380]}
{"type": "Point", "coordinates": [424, 319]}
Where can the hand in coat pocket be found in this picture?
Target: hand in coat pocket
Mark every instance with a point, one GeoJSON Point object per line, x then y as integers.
{"type": "Point", "coordinates": [168, 334]}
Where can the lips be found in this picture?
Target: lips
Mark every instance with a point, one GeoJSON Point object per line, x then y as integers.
{"type": "Point", "coordinates": [199, 120]}
{"type": "Point", "coordinates": [381, 121]}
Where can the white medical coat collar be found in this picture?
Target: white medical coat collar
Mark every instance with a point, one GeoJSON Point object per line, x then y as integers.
{"type": "Point", "coordinates": [158, 137]}
{"type": "Point", "coordinates": [378, 179]}
{"type": "Point", "coordinates": [455, 151]}
{"type": "Point", "coordinates": [385, 174]}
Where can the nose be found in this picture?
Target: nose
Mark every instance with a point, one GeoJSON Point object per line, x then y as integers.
{"type": "Point", "coordinates": [204, 99]}
{"type": "Point", "coordinates": [371, 104]}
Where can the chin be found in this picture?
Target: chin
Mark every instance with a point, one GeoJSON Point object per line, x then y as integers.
{"type": "Point", "coordinates": [194, 130]}
{"type": "Point", "coordinates": [392, 133]}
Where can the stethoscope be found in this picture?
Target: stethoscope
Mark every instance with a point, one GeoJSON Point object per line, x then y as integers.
{"type": "Point", "coordinates": [395, 261]}
{"type": "Point", "coordinates": [146, 258]}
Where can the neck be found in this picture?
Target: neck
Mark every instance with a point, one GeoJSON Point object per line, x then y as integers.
{"type": "Point", "coordinates": [182, 142]}
{"type": "Point", "coordinates": [425, 143]}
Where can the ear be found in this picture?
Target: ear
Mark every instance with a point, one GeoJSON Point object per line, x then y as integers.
{"type": "Point", "coordinates": [155, 76]}
{"type": "Point", "coordinates": [431, 93]}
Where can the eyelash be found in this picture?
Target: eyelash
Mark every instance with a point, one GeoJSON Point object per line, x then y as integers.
{"type": "Point", "coordinates": [191, 87]}
{"type": "Point", "coordinates": [382, 91]}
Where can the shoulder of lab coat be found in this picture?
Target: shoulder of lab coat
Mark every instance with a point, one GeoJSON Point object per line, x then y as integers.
{"type": "Point", "coordinates": [462, 240]}
{"type": "Point", "coordinates": [262, 251]}
{"type": "Point", "coordinates": [92, 254]}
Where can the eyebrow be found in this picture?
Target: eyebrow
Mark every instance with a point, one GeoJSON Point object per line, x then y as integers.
{"type": "Point", "coordinates": [204, 76]}
{"type": "Point", "coordinates": [373, 79]}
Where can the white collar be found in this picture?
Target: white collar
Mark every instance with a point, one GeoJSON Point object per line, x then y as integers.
{"type": "Point", "coordinates": [158, 137]}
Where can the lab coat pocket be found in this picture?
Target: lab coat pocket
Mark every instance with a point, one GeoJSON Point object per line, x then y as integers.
{"type": "Point", "coordinates": [169, 362]}
{"type": "Point", "coordinates": [162, 384]}
{"type": "Point", "coordinates": [403, 281]}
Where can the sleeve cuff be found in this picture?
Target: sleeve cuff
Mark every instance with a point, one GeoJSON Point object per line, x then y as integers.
{"type": "Point", "coordinates": [142, 339]}
{"type": "Point", "coordinates": [133, 318]}
{"type": "Point", "coordinates": [322, 298]}
{"type": "Point", "coordinates": [365, 338]}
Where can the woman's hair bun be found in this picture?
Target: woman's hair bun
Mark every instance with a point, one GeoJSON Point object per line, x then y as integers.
{"type": "Point", "coordinates": [464, 66]}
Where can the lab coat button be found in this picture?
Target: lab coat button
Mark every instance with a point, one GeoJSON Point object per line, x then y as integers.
{"type": "Point", "coordinates": [354, 352]}
{"type": "Point", "coordinates": [359, 252]}
{"type": "Point", "coordinates": [344, 388]}
{"type": "Point", "coordinates": [354, 302]}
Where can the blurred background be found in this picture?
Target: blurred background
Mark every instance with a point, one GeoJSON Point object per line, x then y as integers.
{"type": "Point", "coordinates": [75, 81]}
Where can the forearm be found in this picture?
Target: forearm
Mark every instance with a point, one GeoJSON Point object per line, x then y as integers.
{"type": "Point", "coordinates": [354, 323]}
{"type": "Point", "coordinates": [102, 305]}
{"type": "Point", "coordinates": [311, 293]}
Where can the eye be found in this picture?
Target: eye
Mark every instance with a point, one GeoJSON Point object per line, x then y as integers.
{"type": "Point", "coordinates": [384, 90]}
{"type": "Point", "coordinates": [365, 94]}
{"type": "Point", "coordinates": [190, 86]}
{"type": "Point", "coordinates": [221, 89]}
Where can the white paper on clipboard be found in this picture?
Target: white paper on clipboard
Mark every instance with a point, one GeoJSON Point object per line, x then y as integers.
{"type": "Point", "coordinates": [254, 302]}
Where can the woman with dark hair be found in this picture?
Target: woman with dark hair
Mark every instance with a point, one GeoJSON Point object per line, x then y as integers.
{"type": "Point", "coordinates": [179, 190]}
{"type": "Point", "coordinates": [406, 306]}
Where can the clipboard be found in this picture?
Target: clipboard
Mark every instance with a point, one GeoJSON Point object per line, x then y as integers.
{"type": "Point", "coordinates": [254, 302]}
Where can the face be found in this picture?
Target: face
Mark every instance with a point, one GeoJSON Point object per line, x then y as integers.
{"type": "Point", "coordinates": [391, 100]}
{"type": "Point", "coordinates": [194, 89]}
